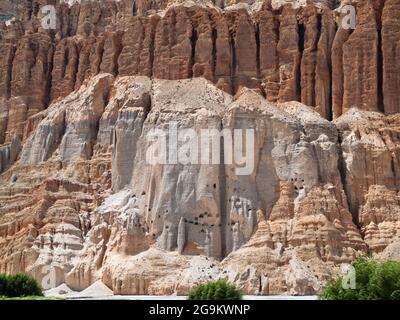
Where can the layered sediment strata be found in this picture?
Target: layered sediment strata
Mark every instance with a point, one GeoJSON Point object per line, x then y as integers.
{"type": "Point", "coordinates": [77, 105]}
{"type": "Point", "coordinates": [82, 198]}
{"type": "Point", "coordinates": [289, 52]}
{"type": "Point", "coordinates": [371, 172]}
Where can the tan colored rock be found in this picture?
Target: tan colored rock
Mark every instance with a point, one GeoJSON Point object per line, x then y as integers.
{"type": "Point", "coordinates": [370, 153]}
{"type": "Point", "coordinates": [30, 75]}
{"type": "Point", "coordinates": [203, 60]}
{"type": "Point", "coordinates": [228, 217]}
{"type": "Point", "coordinates": [77, 107]}
{"type": "Point", "coordinates": [51, 216]}
{"type": "Point", "coordinates": [380, 218]}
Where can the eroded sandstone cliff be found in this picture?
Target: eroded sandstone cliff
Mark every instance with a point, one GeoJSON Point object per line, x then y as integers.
{"type": "Point", "coordinates": [77, 105]}
{"type": "Point", "coordinates": [82, 199]}
{"type": "Point", "coordinates": [287, 52]}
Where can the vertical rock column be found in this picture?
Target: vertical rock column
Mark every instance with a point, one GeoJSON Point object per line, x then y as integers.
{"type": "Point", "coordinates": [203, 45]}
{"type": "Point", "coordinates": [360, 62]}
{"type": "Point", "coordinates": [244, 50]}
{"type": "Point", "coordinates": [65, 68]}
{"type": "Point", "coordinates": [7, 52]}
{"type": "Point", "coordinates": [391, 55]}
{"type": "Point", "coordinates": [268, 28]}
{"type": "Point", "coordinates": [337, 72]}
{"type": "Point", "coordinates": [323, 78]}
{"type": "Point", "coordinates": [137, 47]}
{"type": "Point", "coordinates": [223, 55]}
{"type": "Point", "coordinates": [29, 85]}
{"type": "Point", "coordinates": [311, 22]}
{"type": "Point", "coordinates": [290, 36]}
{"type": "Point", "coordinates": [86, 59]}
{"type": "Point", "coordinates": [173, 46]}
{"type": "Point", "coordinates": [319, 32]}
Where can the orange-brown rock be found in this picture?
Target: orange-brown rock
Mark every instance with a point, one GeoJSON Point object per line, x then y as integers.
{"type": "Point", "coordinates": [341, 37]}
{"type": "Point", "coordinates": [75, 199]}
{"type": "Point", "coordinates": [137, 47]}
{"type": "Point", "coordinates": [29, 81]}
{"type": "Point", "coordinates": [360, 62]}
{"type": "Point", "coordinates": [77, 104]}
{"type": "Point", "coordinates": [370, 151]}
{"type": "Point", "coordinates": [291, 53]}
{"type": "Point", "coordinates": [173, 46]}
{"type": "Point", "coordinates": [268, 33]}
{"type": "Point", "coordinates": [390, 54]}
{"type": "Point", "coordinates": [65, 68]}
{"type": "Point", "coordinates": [380, 217]}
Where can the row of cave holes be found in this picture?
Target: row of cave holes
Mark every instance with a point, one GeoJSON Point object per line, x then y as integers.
{"type": "Point", "coordinates": [296, 188]}
{"type": "Point", "coordinates": [144, 192]}
{"type": "Point", "coordinates": [201, 216]}
{"type": "Point", "coordinates": [196, 218]}
{"type": "Point", "coordinates": [196, 223]}
{"type": "Point", "coordinates": [185, 220]}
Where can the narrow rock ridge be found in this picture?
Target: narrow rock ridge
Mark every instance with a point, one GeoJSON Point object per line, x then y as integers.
{"type": "Point", "coordinates": [289, 53]}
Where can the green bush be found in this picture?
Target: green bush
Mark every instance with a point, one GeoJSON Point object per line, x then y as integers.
{"type": "Point", "coordinates": [374, 281]}
{"type": "Point", "coordinates": [3, 284]}
{"type": "Point", "coordinates": [215, 290]}
{"type": "Point", "coordinates": [19, 285]}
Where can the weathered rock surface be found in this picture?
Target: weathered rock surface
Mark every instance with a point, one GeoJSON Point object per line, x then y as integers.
{"type": "Point", "coordinates": [370, 153]}
{"type": "Point", "coordinates": [288, 50]}
{"type": "Point", "coordinates": [78, 104]}
{"type": "Point", "coordinates": [82, 199]}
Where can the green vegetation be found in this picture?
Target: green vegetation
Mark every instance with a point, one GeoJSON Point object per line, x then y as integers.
{"type": "Point", "coordinates": [19, 285]}
{"type": "Point", "coordinates": [215, 290]}
{"type": "Point", "coordinates": [375, 280]}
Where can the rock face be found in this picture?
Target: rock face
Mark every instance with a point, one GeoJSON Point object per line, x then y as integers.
{"type": "Point", "coordinates": [96, 209]}
{"type": "Point", "coordinates": [288, 52]}
{"type": "Point", "coordinates": [371, 180]}
{"type": "Point", "coordinates": [79, 106]}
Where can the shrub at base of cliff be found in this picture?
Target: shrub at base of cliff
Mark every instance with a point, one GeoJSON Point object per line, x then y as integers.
{"type": "Point", "coordinates": [19, 285]}
{"type": "Point", "coordinates": [215, 290]}
{"type": "Point", "coordinates": [374, 280]}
